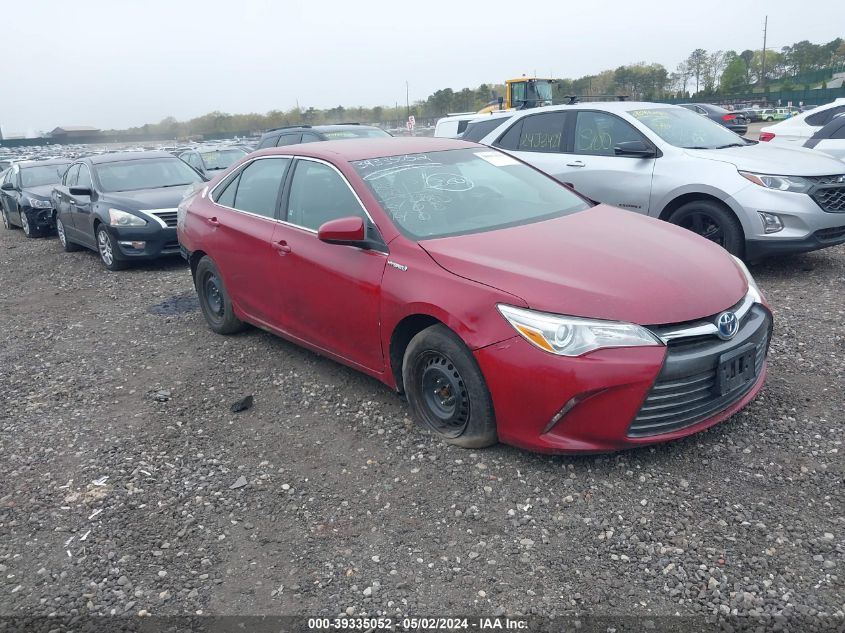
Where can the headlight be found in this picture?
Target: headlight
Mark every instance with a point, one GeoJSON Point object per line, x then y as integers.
{"type": "Point", "coordinates": [37, 203]}
{"type": "Point", "coordinates": [573, 336]}
{"type": "Point", "coordinates": [794, 184]}
{"type": "Point", "coordinates": [753, 288]}
{"type": "Point", "coordinates": [122, 218]}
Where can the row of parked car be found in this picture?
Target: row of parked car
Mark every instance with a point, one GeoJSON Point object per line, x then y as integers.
{"type": "Point", "coordinates": [504, 303]}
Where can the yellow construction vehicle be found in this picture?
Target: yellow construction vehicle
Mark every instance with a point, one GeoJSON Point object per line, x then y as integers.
{"type": "Point", "coordinates": [525, 92]}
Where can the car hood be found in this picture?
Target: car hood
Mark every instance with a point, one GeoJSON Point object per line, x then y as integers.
{"type": "Point", "coordinates": [773, 159]}
{"type": "Point", "coordinates": [41, 191]}
{"type": "Point", "coordinates": [165, 198]}
{"type": "Point", "coordinates": [603, 263]}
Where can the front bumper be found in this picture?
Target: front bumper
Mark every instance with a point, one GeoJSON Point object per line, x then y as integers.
{"type": "Point", "coordinates": [806, 226]}
{"type": "Point", "coordinates": [41, 219]}
{"type": "Point", "coordinates": [606, 397]}
{"type": "Point", "coordinates": [158, 241]}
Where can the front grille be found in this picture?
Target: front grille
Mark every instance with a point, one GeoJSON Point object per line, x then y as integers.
{"type": "Point", "coordinates": [830, 234]}
{"type": "Point", "coordinates": [686, 390]}
{"type": "Point", "coordinates": [829, 193]}
{"type": "Point", "coordinates": [168, 216]}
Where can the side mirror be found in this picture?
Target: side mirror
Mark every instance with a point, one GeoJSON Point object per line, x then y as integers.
{"type": "Point", "coordinates": [8, 186]}
{"type": "Point", "coordinates": [637, 149]}
{"type": "Point", "coordinates": [345, 231]}
{"type": "Point", "coordinates": [79, 191]}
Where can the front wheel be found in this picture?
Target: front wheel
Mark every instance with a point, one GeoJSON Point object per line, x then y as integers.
{"type": "Point", "coordinates": [446, 389]}
{"type": "Point", "coordinates": [214, 299]}
{"type": "Point", "coordinates": [769, 119]}
{"type": "Point", "coordinates": [106, 249]}
{"type": "Point", "coordinates": [28, 229]}
{"type": "Point", "coordinates": [712, 221]}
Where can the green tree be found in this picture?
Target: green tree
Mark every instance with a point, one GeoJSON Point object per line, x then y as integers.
{"type": "Point", "coordinates": [697, 62]}
{"type": "Point", "coordinates": [734, 76]}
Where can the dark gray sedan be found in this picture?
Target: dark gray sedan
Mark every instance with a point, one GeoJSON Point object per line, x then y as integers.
{"type": "Point", "coordinates": [734, 121]}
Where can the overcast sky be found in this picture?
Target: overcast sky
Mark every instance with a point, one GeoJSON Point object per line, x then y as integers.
{"type": "Point", "coordinates": [120, 63]}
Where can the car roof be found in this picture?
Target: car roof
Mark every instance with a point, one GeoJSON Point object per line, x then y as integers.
{"type": "Point", "coordinates": [25, 164]}
{"type": "Point", "coordinates": [320, 128]}
{"type": "Point", "coordinates": [365, 148]}
{"type": "Point", "coordinates": [607, 106]}
{"type": "Point", "coordinates": [124, 156]}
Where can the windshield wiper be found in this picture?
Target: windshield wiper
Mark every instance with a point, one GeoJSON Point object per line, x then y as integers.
{"type": "Point", "coordinates": [732, 145]}
{"type": "Point", "coordinates": [695, 147]}
{"type": "Point", "coordinates": [178, 184]}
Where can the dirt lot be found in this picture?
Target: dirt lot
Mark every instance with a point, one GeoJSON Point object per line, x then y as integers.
{"type": "Point", "coordinates": [128, 486]}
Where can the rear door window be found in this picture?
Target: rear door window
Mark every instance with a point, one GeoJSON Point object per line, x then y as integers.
{"type": "Point", "coordinates": [542, 132]}
{"type": "Point", "coordinates": [256, 187]}
{"type": "Point", "coordinates": [288, 139]}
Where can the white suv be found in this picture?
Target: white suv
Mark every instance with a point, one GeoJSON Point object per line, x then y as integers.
{"type": "Point", "coordinates": [795, 130]}
{"type": "Point", "coordinates": [667, 162]}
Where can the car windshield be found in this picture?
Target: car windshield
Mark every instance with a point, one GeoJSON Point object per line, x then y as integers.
{"type": "Point", "coordinates": [145, 173]}
{"type": "Point", "coordinates": [366, 132]}
{"type": "Point", "coordinates": [682, 128]}
{"type": "Point", "coordinates": [454, 192]}
{"type": "Point", "coordinates": [42, 175]}
{"type": "Point", "coordinates": [221, 158]}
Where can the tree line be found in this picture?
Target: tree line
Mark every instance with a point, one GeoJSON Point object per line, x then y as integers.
{"type": "Point", "coordinates": [703, 73]}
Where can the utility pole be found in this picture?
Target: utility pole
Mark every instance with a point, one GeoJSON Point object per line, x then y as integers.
{"type": "Point", "coordinates": [763, 62]}
{"type": "Point", "coordinates": [407, 101]}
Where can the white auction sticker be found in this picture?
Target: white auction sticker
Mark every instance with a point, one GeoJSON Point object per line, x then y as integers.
{"type": "Point", "coordinates": [497, 158]}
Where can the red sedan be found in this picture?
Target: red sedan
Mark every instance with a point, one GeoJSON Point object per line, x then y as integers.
{"type": "Point", "coordinates": [502, 304]}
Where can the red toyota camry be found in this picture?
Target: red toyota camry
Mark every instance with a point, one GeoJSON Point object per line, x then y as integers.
{"type": "Point", "coordinates": [502, 304]}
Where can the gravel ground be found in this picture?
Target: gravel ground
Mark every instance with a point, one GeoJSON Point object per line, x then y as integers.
{"type": "Point", "coordinates": [127, 485]}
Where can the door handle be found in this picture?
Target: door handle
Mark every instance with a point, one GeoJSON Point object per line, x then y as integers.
{"type": "Point", "coordinates": [213, 221]}
{"type": "Point", "coordinates": [576, 163]}
{"type": "Point", "coordinates": [282, 247]}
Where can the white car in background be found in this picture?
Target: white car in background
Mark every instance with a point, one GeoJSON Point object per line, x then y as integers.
{"type": "Point", "coordinates": [830, 139]}
{"type": "Point", "coordinates": [796, 130]}
{"type": "Point", "coordinates": [753, 199]}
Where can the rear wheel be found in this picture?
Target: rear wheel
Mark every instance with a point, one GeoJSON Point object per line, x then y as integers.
{"type": "Point", "coordinates": [713, 221]}
{"type": "Point", "coordinates": [446, 389]}
{"type": "Point", "coordinates": [214, 300]}
{"type": "Point", "coordinates": [66, 244]}
{"type": "Point", "coordinates": [106, 249]}
{"type": "Point", "coordinates": [769, 119]}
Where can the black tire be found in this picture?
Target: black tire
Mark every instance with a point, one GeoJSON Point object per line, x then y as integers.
{"type": "Point", "coordinates": [106, 249]}
{"type": "Point", "coordinates": [712, 221]}
{"type": "Point", "coordinates": [214, 300]}
{"type": "Point", "coordinates": [769, 119]}
{"type": "Point", "coordinates": [28, 229]}
{"type": "Point", "coordinates": [446, 389]}
{"type": "Point", "coordinates": [69, 246]}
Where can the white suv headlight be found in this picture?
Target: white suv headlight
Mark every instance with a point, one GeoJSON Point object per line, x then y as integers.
{"type": "Point", "coordinates": [793, 184]}
{"type": "Point", "coordinates": [122, 218]}
{"type": "Point", "coordinates": [574, 336]}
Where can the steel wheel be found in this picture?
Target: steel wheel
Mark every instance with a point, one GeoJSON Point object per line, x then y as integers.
{"type": "Point", "coordinates": [447, 406]}
{"type": "Point", "coordinates": [212, 295]}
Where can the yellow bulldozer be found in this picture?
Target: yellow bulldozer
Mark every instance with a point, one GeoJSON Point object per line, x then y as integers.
{"type": "Point", "coordinates": [524, 92]}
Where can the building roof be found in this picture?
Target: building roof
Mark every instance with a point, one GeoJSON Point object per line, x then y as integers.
{"type": "Point", "coordinates": [74, 128]}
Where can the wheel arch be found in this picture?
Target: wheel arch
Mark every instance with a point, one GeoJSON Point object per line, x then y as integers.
{"type": "Point", "coordinates": [194, 261]}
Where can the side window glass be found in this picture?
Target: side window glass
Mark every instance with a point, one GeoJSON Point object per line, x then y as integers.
{"type": "Point", "coordinates": [319, 194]}
{"type": "Point", "coordinates": [288, 139]}
{"type": "Point", "coordinates": [598, 133]}
{"type": "Point", "coordinates": [259, 184]}
{"type": "Point", "coordinates": [510, 139]}
{"type": "Point", "coordinates": [270, 141]}
{"type": "Point", "coordinates": [542, 132]}
{"type": "Point", "coordinates": [84, 178]}
{"type": "Point", "coordinates": [840, 133]}
{"type": "Point", "coordinates": [226, 197]}
{"type": "Point", "coordinates": [71, 176]}
{"type": "Point", "coordinates": [310, 137]}
{"type": "Point", "coordinates": [825, 116]}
